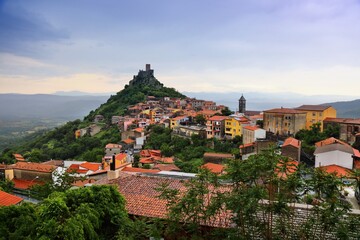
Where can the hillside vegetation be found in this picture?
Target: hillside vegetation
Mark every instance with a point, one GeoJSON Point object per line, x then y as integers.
{"type": "Point", "coordinates": [61, 142]}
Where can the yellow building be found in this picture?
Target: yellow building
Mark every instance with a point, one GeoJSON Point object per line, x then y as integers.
{"type": "Point", "coordinates": [317, 114]}
{"type": "Point", "coordinates": [177, 121]}
{"type": "Point", "coordinates": [234, 125]}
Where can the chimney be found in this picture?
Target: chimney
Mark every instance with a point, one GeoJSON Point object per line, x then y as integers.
{"type": "Point", "coordinates": [147, 67]}
{"type": "Point", "coordinates": [113, 163]}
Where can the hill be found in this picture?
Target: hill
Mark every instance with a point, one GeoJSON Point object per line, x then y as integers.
{"type": "Point", "coordinates": [347, 109]}
{"type": "Point", "coordinates": [61, 143]}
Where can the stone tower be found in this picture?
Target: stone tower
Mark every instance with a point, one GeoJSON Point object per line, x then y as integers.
{"type": "Point", "coordinates": [242, 104]}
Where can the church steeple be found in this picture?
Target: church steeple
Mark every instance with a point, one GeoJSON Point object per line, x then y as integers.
{"type": "Point", "coordinates": [242, 104]}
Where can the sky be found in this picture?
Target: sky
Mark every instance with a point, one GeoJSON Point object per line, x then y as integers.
{"type": "Point", "coordinates": [307, 47]}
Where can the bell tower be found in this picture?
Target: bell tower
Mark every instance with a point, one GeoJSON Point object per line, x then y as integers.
{"type": "Point", "coordinates": [242, 104]}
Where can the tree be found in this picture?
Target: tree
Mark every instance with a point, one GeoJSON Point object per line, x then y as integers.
{"type": "Point", "coordinates": [86, 213]}
{"type": "Point", "coordinates": [226, 111]}
{"type": "Point", "coordinates": [258, 202]}
{"type": "Point", "coordinates": [200, 119]}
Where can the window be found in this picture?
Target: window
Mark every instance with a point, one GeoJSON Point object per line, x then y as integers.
{"type": "Point", "coordinates": [314, 114]}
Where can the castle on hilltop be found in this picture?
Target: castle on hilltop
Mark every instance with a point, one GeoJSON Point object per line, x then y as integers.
{"type": "Point", "coordinates": [146, 77]}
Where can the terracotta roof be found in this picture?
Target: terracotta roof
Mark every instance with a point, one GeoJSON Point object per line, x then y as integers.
{"type": "Point", "coordinates": [356, 153]}
{"type": "Point", "coordinates": [291, 167]}
{"type": "Point", "coordinates": [329, 141]}
{"type": "Point", "coordinates": [37, 167]}
{"type": "Point", "coordinates": [141, 170]}
{"type": "Point", "coordinates": [58, 163]}
{"type": "Point", "coordinates": [142, 198]}
{"type": "Point", "coordinates": [75, 168]}
{"type": "Point", "coordinates": [343, 120]}
{"type": "Point", "coordinates": [128, 141]}
{"type": "Point", "coordinates": [214, 168]}
{"type": "Point", "coordinates": [252, 128]}
{"type": "Point", "coordinates": [145, 153]}
{"type": "Point", "coordinates": [140, 194]}
{"type": "Point", "coordinates": [337, 170]}
{"type": "Point", "coordinates": [113, 145]}
{"type": "Point", "coordinates": [18, 157]}
{"type": "Point", "coordinates": [313, 107]}
{"type": "Point", "coordinates": [178, 118]}
{"type": "Point", "coordinates": [91, 166]}
{"type": "Point", "coordinates": [166, 167]}
{"type": "Point", "coordinates": [146, 160]}
{"type": "Point", "coordinates": [356, 164]}
{"type": "Point", "coordinates": [81, 183]}
{"type": "Point", "coordinates": [284, 111]}
{"type": "Point", "coordinates": [291, 142]}
{"type": "Point", "coordinates": [167, 160]}
{"type": "Point", "coordinates": [220, 155]}
{"type": "Point", "coordinates": [139, 129]}
{"type": "Point", "coordinates": [218, 118]}
{"type": "Point", "coordinates": [120, 156]}
{"type": "Point", "coordinates": [247, 145]}
{"type": "Point", "coordinates": [25, 184]}
{"type": "Point", "coordinates": [7, 199]}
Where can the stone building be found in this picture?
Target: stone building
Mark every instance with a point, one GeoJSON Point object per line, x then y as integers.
{"type": "Point", "coordinates": [284, 121]}
{"type": "Point", "coordinates": [291, 148]}
{"type": "Point", "coordinates": [349, 127]}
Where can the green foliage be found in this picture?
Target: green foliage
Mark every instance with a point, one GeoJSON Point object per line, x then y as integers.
{"type": "Point", "coordinates": [310, 137]}
{"type": "Point", "coordinates": [6, 185]}
{"type": "Point", "coordinates": [18, 222]}
{"type": "Point", "coordinates": [260, 192]}
{"type": "Point", "coordinates": [226, 112]}
{"type": "Point", "coordinates": [200, 119]}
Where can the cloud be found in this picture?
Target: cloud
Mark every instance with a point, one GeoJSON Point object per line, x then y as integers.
{"type": "Point", "coordinates": [20, 30]}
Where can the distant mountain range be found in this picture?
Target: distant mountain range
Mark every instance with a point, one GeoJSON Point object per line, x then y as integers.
{"type": "Point", "coordinates": [73, 105]}
{"type": "Point", "coordinates": [263, 101]}
{"type": "Point", "coordinates": [48, 106]}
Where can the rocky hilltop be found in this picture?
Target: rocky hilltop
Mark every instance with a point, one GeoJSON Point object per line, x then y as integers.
{"type": "Point", "coordinates": [146, 78]}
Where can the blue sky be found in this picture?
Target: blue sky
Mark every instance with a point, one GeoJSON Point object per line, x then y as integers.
{"type": "Point", "coordinates": [309, 46]}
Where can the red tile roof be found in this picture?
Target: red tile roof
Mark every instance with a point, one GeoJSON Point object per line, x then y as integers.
{"type": "Point", "coordinates": [91, 166]}
{"type": "Point", "coordinates": [337, 170]}
{"type": "Point", "coordinates": [291, 142]}
{"type": "Point", "coordinates": [343, 120]}
{"type": "Point", "coordinates": [291, 167]}
{"type": "Point", "coordinates": [7, 199]}
{"type": "Point", "coordinates": [113, 145]}
{"type": "Point", "coordinates": [329, 141]}
{"type": "Point", "coordinates": [25, 184]}
{"type": "Point", "coordinates": [146, 160]}
{"type": "Point", "coordinates": [219, 155]}
{"type": "Point", "coordinates": [167, 160]}
{"type": "Point", "coordinates": [142, 197]}
{"type": "Point", "coordinates": [120, 156]}
{"type": "Point", "coordinates": [75, 168]}
{"type": "Point", "coordinates": [18, 157]}
{"type": "Point", "coordinates": [141, 170]}
{"type": "Point", "coordinates": [284, 111]}
{"type": "Point", "coordinates": [218, 118]}
{"type": "Point", "coordinates": [247, 145]}
{"type": "Point", "coordinates": [128, 141]}
{"type": "Point", "coordinates": [214, 168]}
{"type": "Point", "coordinates": [36, 167]}
{"type": "Point", "coordinates": [166, 167]}
{"type": "Point", "coordinates": [252, 128]}
{"type": "Point", "coordinates": [139, 129]}
{"type": "Point", "coordinates": [81, 183]}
